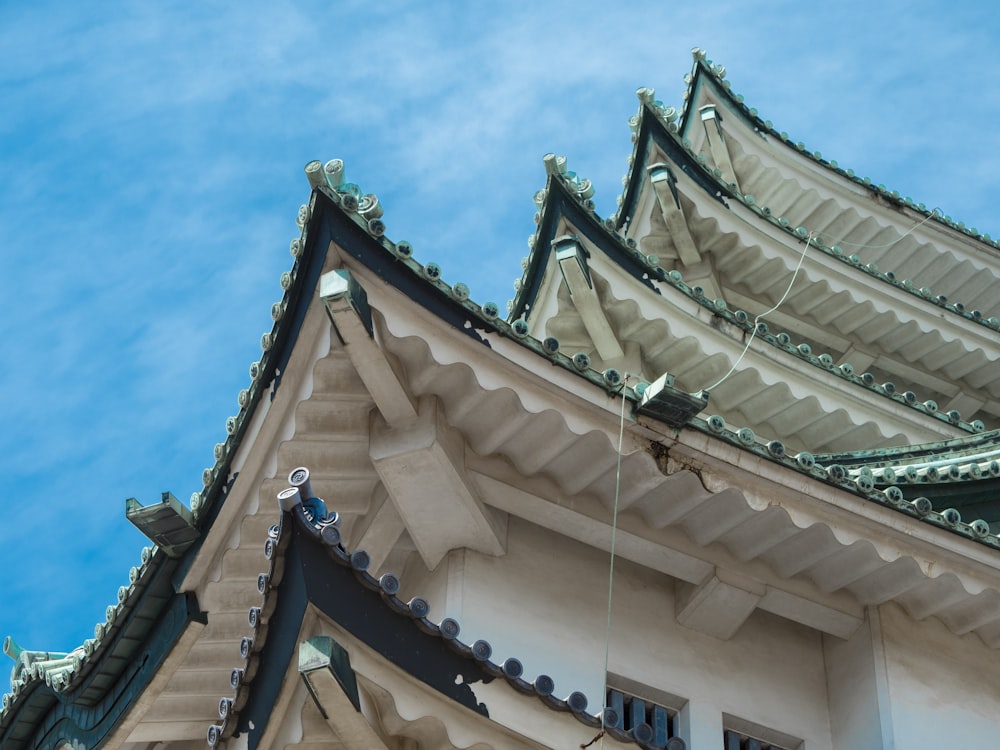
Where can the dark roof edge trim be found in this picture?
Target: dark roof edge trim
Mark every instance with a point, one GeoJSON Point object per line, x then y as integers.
{"type": "Point", "coordinates": [369, 609]}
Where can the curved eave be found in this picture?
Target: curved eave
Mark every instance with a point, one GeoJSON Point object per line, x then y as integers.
{"type": "Point", "coordinates": [827, 469]}
{"type": "Point", "coordinates": [670, 139]}
{"type": "Point", "coordinates": [451, 379]}
{"type": "Point", "coordinates": [424, 284]}
{"type": "Point", "coordinates": [88, 705]}
{"type": "Point", "coordinates": [599, 237]}
{"type": "Point", "coordinates": [679, 315]}
{"type": "Point", "coordinates": [561, 205]}
{"type": "Point", "coordinates": [955, 449]}
{"type": "Point", "coordinates": [95, 695]}
{"type": "Point", "coordinates": [725, 464]}
{"type": "Point", "coordinates": [703, 74]}
{"type": "Point", "coordinates": [897, 483]}
{"type": "Point", "coordinates": [962, 474]}
{"type": "Point", "coordinates": [385, 260]}
{"type": "Point", "coordinates": [308, 565]}
{"type": "Point", "coordinates": [331, 223]}
{"type": "Point", "coordinates": [653, 133]}
{"type": "Point", "coordinates": [288, 314]}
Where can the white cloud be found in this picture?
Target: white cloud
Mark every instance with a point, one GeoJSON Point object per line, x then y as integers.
{"type": "Point", "coordinates": [152, 160]}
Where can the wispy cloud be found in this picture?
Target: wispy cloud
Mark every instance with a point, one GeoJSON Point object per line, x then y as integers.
{"type": "Point", "coordinates": [152, 160]}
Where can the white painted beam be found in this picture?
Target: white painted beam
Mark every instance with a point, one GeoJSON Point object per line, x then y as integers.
{"type": "Point", "coordinates": [673, 215]}
{"type": "Point", "coordinates": [720, 605]}
{"type": "Point", "coordinates": [378, 536]}
{"type": "Point", "coordinates": [174, 731]}
{"type": "Point", "coordinates": [703, 274]}
{"type": "Point", "coordinates": [799, 609]}
{"type": "Point", "coordinates": [860, 360]}
{"type": "Point", "coordinates": [421, 463]}
{"type": "Point", "coordinates": [590, 531]}
{"type": "Point", "coordinates": [712, 121]}
{"type": "Point", "coordinates": [391, 398]}
{"type": "Point", "coordinates": [581, 289]}
{"type": "Point", "coordinates": [677, 563]}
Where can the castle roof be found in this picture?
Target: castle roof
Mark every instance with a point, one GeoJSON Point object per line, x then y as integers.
{"type": "Point", "coordinates": [833, 485]}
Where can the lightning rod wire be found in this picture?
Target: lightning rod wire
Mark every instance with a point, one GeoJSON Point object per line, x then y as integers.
{"type": "Point", "coordinates": [611, 568]}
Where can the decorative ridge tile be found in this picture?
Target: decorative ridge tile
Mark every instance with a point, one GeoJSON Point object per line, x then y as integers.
{"type": "Point", "coordinates": [717, 73]}
{"type": "Point", "coordinates": [834, 251]}
{"type": "Point", "coordinates": [859, 481]}
{"type": "Point", "coordinates": [63, 672]}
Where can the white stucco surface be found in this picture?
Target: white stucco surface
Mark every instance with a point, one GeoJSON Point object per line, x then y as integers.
{"type": "Point", "coordinates": [943, 688]}
{"type": "Point", "coordinates": [545, 603]}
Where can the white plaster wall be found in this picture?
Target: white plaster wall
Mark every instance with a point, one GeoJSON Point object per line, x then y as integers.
{"type": "Point", "coordinates": [944, 689]}
{"type": "Point", "coordinates": [545, 603]}
{"type": "Point", "coordinates": [857, 687]}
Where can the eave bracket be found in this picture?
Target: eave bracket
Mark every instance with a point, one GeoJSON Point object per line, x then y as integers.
{"type": "Point", "coordinates": [168, 524]}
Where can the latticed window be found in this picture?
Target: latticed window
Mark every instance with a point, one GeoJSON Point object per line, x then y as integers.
{"type": "Point", "coordinates": [737, 741]}
{"type": "Point", "coordinates": [649, 724]}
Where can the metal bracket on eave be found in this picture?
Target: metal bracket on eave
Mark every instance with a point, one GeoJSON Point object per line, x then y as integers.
{"type": "Point", "coordinates": [169, 525]}
{"type": "Point", "coordinates": [572, 259]}
{"type": "Point", "coordinates": [661, 401]}
{"type": "Point", "coordinates": [341, 292]}
{"type": "Point", "coordinates": [321, 658]}
{"type": "Point", "coordinates": [712, 121]}
{"type": "Point", "coordinates": [347, 304]}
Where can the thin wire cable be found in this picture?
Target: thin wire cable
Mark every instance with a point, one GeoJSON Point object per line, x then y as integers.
{"type": "Point", "coordinates": [611, 569]}
{"type": "Point", "coordinates": [756, 320]}
{"type": "Point", "coordinates": [621, 436]}
{"type": "Point", "coordinates": [934, 212]}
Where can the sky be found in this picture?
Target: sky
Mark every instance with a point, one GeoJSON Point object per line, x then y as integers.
{"type": "Point", "coordinates": [151, 161]}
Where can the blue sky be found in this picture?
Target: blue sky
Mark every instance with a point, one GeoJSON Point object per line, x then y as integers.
{"type": "Point", "coordinates": [151, 162]}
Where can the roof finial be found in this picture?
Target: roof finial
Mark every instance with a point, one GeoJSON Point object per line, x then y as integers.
{"type": "Point", "coordinates": [556, 167]}
{"type": "Point", "coordinates": [11, 648]}
{"type": "Point", "coordinates": [333, 171]}
{"type": "Point", "coordinates": [314, 173]}
{"type": "Point", "coordinates": [645, 94]}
